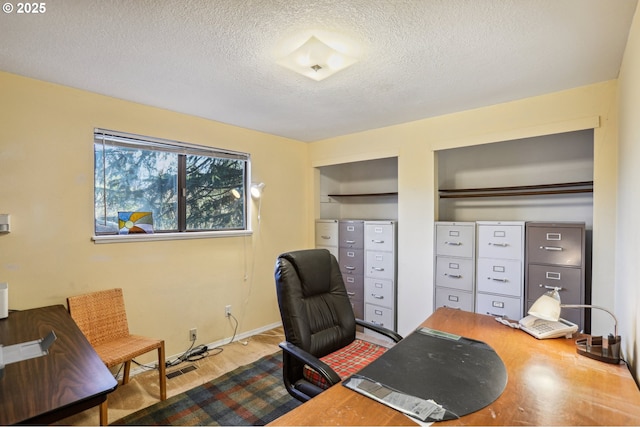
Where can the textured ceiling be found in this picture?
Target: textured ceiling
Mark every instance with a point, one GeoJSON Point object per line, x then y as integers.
{"type": "Point", "coordinates": [417, 59]}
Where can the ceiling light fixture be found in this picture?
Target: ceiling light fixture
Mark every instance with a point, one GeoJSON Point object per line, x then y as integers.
{"type": "Point", "coordinates": [316, 60]}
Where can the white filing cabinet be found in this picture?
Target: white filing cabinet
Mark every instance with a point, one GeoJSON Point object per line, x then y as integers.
{"type": "Point", "coordinates": [500, 268]}
{"type": "Point", "coordinates": [380, 273]}
{"type": "Point", "coordinates": [455, 265]}
{"type": "Point", "coordinates": [327, 235]}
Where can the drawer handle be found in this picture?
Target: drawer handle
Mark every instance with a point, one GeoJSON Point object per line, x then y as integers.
{"type": "Point", "coordinates": [351, 294]}
{"type": "Point", "coordinates": [551, 248]}
{"type": "Point", "coordinates": [453, 307]}
{"type": "Point", "coordinates": [453, 276]}
{"type": "Point", "coordinates": [326, 237]}
{"type": "Point", "coordinates": [348, 267]}
{"type": "Point", "coordinates": [377, 241]}
{"type": "Point", "coordinates": [376, 296]}
{"type": "Point", "coordinates": [378, 268]}
{"type": "Point", "coordinates": [377, 323]}
{"type": "Point", "coordinates": [557, 288]}
{"type": "Point", "coordinates": [497, 279]}
{"type": "Point", "coordinates": [501, 245]}
{"type": "Point", "coordinates": [497, 315]}
{"type": "Point", "coordinates": [453, 243]}
{"type": "Point", "coordinates": [350, 241]}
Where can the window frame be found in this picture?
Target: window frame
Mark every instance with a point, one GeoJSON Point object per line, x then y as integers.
{"type": "Point", "coordinates": [116, 138]}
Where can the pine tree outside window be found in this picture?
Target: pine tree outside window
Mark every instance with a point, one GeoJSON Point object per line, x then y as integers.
{"type": "Point", "coordinates": [187, 188]}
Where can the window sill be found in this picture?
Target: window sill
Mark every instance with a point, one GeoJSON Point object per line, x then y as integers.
{"type": "Point", "coordinates": [127, 238]}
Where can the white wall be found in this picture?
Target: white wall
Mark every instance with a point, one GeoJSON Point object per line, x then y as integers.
{"type": "Point", "coordinates": [627, 281]}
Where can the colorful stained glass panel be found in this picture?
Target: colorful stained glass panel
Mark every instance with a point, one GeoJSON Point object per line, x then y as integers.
{"type": "Point", "coordinates": [135, 222]}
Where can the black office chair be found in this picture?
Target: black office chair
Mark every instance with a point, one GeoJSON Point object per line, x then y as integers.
{"type": "Point", "coordinates": [321, 347]}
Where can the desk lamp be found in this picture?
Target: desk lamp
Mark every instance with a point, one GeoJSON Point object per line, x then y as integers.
{"type": "Point", "coordinates": [548, 307]}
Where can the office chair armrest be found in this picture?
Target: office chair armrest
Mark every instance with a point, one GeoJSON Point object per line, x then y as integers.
{"type": "Point", "coordinates": [380, 329]}
{"type": "Point", "coordinates": [311, 360]}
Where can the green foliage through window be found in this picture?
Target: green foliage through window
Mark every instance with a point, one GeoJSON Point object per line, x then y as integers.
{"type": "Point", "coordinates": [186, 187]}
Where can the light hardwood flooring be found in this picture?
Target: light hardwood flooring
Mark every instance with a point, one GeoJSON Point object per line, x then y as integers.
{"type": "Point", "coordinates": [143, 389]}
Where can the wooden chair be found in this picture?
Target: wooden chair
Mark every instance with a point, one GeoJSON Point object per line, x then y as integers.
{"type": "Point", "coordinates": [101, 316]}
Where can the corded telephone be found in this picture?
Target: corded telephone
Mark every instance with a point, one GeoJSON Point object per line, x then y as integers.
{"type": "Point", "coordinates": [542, 329]}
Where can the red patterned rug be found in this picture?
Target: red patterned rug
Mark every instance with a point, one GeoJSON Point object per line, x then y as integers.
{"type": "Point", "coordinates": [253, 394]}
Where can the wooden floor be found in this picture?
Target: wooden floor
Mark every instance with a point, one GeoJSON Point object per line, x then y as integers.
{"type": "Point", "coordinates": [143, 388]}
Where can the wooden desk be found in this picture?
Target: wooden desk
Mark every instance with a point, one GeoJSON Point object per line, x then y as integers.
{"type": "Point", "coordinates": [70, 379]}
{"type": "Point", "coordinates": [548, 384]}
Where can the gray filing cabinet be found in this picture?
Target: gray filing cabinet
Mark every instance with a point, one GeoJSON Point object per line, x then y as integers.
{"type": "Point", "coordinates": [555, 258]}
{"type": "Point", "coordinates": [380, 273]}
{"type": "Point", "coordinates": [500, 268]}
{"type": "Point", "coordinates": [351, 261]}
{"type": "Point", "coordinates": [455, 265]}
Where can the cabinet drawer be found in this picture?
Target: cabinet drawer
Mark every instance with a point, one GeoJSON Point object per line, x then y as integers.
{"type": "Point", "coordinates": [500, 276]}
{"type": "Point", "coordinates": [381, 316]}
{"type": "Point", "coordinates": [358, 308]}
{"type": "Point", "coordinates": [327, 232]}
{"type": "Point", "coordinates": [541, 278]}
{"type": "Point", "coordinates": [354, 283]}
{"type": "Point", "coordinates": [332, 249]}
{"type": "Point", "coordinates": [351, 234]}
{"type": "Point", "coordinates": [380, 265]}
{"type": "Point", "coordinates": [455, 240]}
{"type": "Point", "coordinates": [351, 261]}
{"type": "Point", "coordinates": [500, 241]}
{"type": "Point", "coordinates": [379, 291]}
{"type": "Point", "coordinates": [496, 305]}
{"type": "Point", "coordinates": [555, 245]}
{"type": "Point", "coordinates": [454, 299]}
{"type": "Point", "coordinates": [454, 273]}
{"type": "Point", "coordinates": [379, 236]}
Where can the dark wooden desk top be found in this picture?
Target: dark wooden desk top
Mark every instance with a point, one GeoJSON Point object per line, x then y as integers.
{"type": "Point", "coordinates": [70, 379]}
{"type": "Point", "coordinates": [548, 384]}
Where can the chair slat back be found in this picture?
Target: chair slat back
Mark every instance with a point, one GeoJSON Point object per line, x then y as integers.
{"type": "Point", "coordinates": [100, 315]}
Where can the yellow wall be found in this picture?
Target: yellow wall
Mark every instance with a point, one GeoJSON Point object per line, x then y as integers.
{"type": "Point", "coordinates": [46, 184]}
{"type": "Point", "coordinates": [628, 231]}
{"type": "Point", "coordinates": [415, 142]}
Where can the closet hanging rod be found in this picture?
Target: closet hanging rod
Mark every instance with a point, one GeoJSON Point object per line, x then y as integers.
{"type": "Point", "coordinates": [516, 193]}
{"type": "Point", "coordinates": [364, 194]}
{"type": "Point", "coordinates": [521, 190]}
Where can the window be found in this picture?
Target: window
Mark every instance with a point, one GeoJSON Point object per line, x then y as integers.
{"type": "Point", "coordinates": [186, 188]}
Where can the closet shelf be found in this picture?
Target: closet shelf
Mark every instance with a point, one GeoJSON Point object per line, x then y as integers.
{"type": "Point", "coordinates": [521, 190]}
{"type": "Point", "coordinates": [363, 194]}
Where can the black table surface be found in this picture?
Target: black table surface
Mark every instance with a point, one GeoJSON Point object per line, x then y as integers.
{"type": "Point", "coordinates": [461, 374]}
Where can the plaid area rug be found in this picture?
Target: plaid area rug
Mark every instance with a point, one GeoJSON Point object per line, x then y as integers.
{"type": "Point", "coordinates": [253, 394]}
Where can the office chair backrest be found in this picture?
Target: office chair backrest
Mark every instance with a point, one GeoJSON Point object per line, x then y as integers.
{"type": "Point", "coordinates": [101, 315]}
{"type": "Point", "coordinates": [315, 309]}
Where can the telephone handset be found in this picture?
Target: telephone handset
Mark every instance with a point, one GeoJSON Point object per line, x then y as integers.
{"type": "Point", "coordinates": [543, 329]}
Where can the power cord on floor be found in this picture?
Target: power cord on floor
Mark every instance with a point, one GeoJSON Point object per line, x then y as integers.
{"type": "Point", "coordinates": [193, 354]}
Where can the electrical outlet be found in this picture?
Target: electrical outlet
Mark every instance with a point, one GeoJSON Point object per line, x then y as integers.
{"type": "Point", "coordinates": [227, 310]}
{"type": "Point", "coordinates": [193, 334]}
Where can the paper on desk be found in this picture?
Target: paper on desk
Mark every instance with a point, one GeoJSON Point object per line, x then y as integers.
{"type": "Point", "coordinates": [413, 406]}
